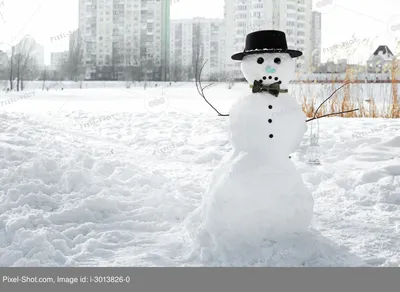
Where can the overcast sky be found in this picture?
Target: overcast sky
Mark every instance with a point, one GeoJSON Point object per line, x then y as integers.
{"type": "Point", "coordinates": [44, 19]}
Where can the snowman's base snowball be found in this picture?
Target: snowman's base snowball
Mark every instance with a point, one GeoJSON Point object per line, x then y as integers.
{"type": "Point", "coordinates": [250, 201]}
{"type": "Point", "coordinates": [309, 249]}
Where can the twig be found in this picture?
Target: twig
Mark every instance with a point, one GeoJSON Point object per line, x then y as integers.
{"type": "Point", "coordinates": [332, 114]}
{"type": "Point", "coordinates": [200, 89]}
{"type": "Point", "coordinates": [347, 83]}
{"type": "Point", "coordinates": [208, 85]}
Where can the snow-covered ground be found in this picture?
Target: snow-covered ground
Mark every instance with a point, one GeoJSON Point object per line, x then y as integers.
{"type": "Point", "coordinates": [107, 176]}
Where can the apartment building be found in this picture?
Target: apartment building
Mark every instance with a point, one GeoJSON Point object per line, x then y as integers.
{"type": "Point", "coordinates": [58, 59]}
{"type": "Point", "coordinates": [115, 32]}
{"type": "Point", "coordinates": [316, 40]}
{"type": "Point", "coordinates": [197, 40]}
{"type": "Point", "coordinates": [294, 17]}
{"type": "Point", "coordinates": [36, 51]}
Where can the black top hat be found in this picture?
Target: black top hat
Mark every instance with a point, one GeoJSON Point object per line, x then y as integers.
{"type": "Point", "coordinates": [266, 41]}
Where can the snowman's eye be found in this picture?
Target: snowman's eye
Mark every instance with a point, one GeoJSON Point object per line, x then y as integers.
{"type": "Point", "coordinates": [260, 60]}
{"type": "Point", "coordinates": [277, 60]}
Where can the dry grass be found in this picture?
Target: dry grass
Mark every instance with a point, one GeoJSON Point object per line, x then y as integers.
{"type": "Point", "coordinates": [385, 103]}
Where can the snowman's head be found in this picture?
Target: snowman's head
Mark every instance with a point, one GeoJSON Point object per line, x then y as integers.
{"type": "Point", "coordinates": [269, 67]}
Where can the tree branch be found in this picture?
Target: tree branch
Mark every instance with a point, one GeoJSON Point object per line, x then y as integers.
{"type": "Point", "coordinates": [332, 114]}
{"type": "Point", "coordinates": [200, 89]}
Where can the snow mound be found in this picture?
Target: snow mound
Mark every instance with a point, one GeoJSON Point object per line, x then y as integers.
{"type": "Point", "coordinates": [394, 142]}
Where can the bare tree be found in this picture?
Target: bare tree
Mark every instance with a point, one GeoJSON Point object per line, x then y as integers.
{"type": "Point", "coordinates": [44, 76]}
{"type": "Point", "coordinates": [11, 60]}
{"type": "Point", "coordinates": [115, 61]}
{"type": "Point", "coordinates": [133, 69]}
{"type": "Point", "coordinates": [74, 68]}
{"type": "Point", "coordinates": [23, 60]}
{"type": "Point", "coordinates": [197, 49]}
{"type": "Point", "coordinates": [177, 73]}
{"type": "Point", "coordinates": [200, 88]}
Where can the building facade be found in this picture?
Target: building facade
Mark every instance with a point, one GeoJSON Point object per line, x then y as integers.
{"type": "Point", "coordinates": [294, 17]}
{"type": "Point", "coordinates": [316, 40]}
{"type": "Point", "coordinates": [29, 46]}
{"type": "Point", "coordinates": [114, 33]}
{"type": "Point", "coordinates": [331, 67]}
{"type": "Point", "coordinates": [196, 41]}
{"type": "Point", "coordinates": [58, 59]}
{"type": "Point", "coordinates": [381, 60]}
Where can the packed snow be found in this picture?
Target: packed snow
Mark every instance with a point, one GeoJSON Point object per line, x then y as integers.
{"type": "Point", "coordinates": [114, 176]}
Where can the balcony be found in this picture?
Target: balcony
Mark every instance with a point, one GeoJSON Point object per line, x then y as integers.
{"type": "Point", "coordinates": [291, 9]}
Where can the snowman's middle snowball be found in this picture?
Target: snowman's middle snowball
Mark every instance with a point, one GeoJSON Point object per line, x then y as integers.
{"type": "Point", "coordinates": [271, 126]}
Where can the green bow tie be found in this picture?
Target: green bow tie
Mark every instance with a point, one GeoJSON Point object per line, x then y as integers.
{"type": "Point", "coordinates": [273, 88]}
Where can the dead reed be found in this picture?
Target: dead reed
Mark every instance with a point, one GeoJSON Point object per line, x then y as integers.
{"type": "Point", "coordinates": [374, 100]}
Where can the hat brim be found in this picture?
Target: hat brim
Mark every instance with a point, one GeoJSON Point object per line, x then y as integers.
{"type": "Point", "coordinates": [240, 56]}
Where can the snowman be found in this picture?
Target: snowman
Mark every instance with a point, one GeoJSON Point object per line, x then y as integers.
{"type": "Point", "coordinates": [257, 194]}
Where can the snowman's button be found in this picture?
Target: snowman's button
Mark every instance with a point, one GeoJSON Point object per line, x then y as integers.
{"type": "Point", "coordinates": [270, 121]}
{"type": "Point", "coordinates": [271, 136]}
{"type": "Point", "coordinates": [270, 106]}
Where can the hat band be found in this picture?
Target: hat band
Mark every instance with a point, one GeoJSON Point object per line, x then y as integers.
{"type": "Point", "coordinates": [265, 49]}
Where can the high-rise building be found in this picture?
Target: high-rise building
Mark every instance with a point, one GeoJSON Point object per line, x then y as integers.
{"type": "Point", "coordinates": [194, 41]}
{"type": "Point", "coordinates": [116, 32]}
{"type": "Point", "coordinates": [316, 40]}
{"type": "Point", "coordinates": [290, 16]}
{"type": "Point", "coordinates": [58, 59]}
